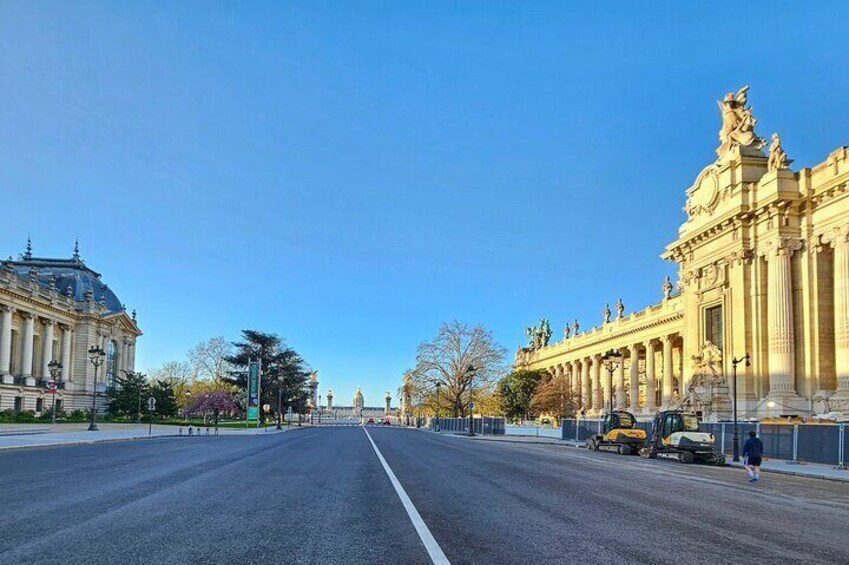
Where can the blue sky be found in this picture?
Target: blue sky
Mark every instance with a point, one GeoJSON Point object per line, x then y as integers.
{"type": "Point", "coordinates": [352, 174]}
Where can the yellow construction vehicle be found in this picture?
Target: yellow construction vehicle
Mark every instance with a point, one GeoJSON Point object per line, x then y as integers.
{"type": "Point", "coordinates": [620, 434]}
{"type": "Point", "coordinates": [675, 435]}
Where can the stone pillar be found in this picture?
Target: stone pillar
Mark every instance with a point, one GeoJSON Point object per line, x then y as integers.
{"type": "Point", "coordinates": [780, 318]}
{"type": "Point", "coordinates": [667, 371]}
{"type": "Point", "coordinates": [651, 394]}
{"type": "Point", "coordinates": [839, 237]}
{"type": "Point", "coordinates": [620, 384]}
{"type": "Point", "coordinates": [66, 354]}
{"type": "Point", "coordinates": [46, 349]}
{"type": "Point", "coordinates": [27, 336]}
{"type": "Point", "coordinates": [585, 386]}
{"type": "Point", "coordinates": [574, 379]}
{"type": "Point", "coordinates": [597, 397]}
{"type": "Point", "coordinates": [6, 344]}
{"type": "Point", "coordinates": [635, 378]}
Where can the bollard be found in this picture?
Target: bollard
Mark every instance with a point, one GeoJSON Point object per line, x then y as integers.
{"type": "Point", "coordinates": [841, 444]}
{"type": "Point", "coordinates": [181, 430]}
{"type": "Point", "coordinates": [190, 430]}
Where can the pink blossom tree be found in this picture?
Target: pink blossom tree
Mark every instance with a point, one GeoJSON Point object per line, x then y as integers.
{"type": "Point", "coordinates": [216, 402]}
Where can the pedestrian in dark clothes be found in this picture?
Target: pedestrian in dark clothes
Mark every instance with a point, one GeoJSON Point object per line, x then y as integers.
{"type": "Point", "coordinates": [753, 451]}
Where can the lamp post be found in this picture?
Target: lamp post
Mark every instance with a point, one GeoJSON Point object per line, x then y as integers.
{"type": "Point", "coordinates": [438, 403]}
{"type": "Point", "coordinates": [55, 368]}
{"type": "Point", "coordinates": [185, 411]}
{"type": "Point", "coordinates": [319, 409]}
{"type": "Point", "coordinates": [95, 355]}
{"type": "Point", "coordinates": [470, 370]}
{"type": "Point", "coordinates": [279, 406]}
{"type": "Point", "coordinates": [611, 360]}
{"type": "Point", "coordinates": [734, 362]}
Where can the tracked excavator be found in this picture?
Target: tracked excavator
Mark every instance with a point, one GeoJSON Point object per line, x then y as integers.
{"type": "Point", "coordinates": [675, 435]}
{"type": "Point", "coordinates": [620, 434]}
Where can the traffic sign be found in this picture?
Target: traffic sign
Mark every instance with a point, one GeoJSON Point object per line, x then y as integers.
{"type": "Point", "coordinates": [151, 404]}
{"type": "Point", "coordinates": [471, 406]}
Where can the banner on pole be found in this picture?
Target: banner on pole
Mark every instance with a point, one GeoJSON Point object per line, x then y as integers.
{"type": "Point", "coordinates": [253, 390]}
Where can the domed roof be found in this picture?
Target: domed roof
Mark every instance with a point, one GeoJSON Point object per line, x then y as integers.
{"type": "Point", "coordinates": [70, 277]}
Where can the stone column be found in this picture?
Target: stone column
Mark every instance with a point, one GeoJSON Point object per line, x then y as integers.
{"type": "Point", "coordinates": [651, 395]}
{"type": "Point", "coordinates": [574, 378]}
{"type": "Point", "coordinates": [46, 349]}
{"type": "Point", "coordinates": [6, 344]}
{"type": "Point", "coordinates": [585, 386]}
{"type": "Point", "coordinates": [27, 336]}
{"type": "Point", "coordinates": [667, 371]}
{"type": "Point", "coordinates": [620, 384]}
{"type": "Point", "coordinates": [66, 354]}
{"type": "Point", "coordinates": [635, 378]}
{"type": "Point", "coordinates": [597, 397]}
{"type": "Point", "coordinates": [780, 316]}
{"type": "Point", "coordinates": [839, 237]}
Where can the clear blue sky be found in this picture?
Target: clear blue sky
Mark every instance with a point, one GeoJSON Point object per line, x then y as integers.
{"type": "Point", "coordinates": [352, 174]}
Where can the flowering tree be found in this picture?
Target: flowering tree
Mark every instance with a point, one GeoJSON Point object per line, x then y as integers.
{"type": "Point", "coordinates": [215, 402]}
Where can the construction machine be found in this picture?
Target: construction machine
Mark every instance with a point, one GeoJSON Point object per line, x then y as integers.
{"type": "Point", "coordinates": [620, 434]}
{"type": "Point", "coordinates": [675, 435]}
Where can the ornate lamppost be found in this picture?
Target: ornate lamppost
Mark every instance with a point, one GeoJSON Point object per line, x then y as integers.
{"type": "Point", "coordinates": [55, 368]}
{"type": "Point", "coordinates": [734, 362]}
{"type": "Point", "coordinates": [96, 356]}
{"type": "Point", "coordinates": [470, 371]}
{"type": "Point", "coordinates": [611, 360]}
{"type": "Point", "coordinates": [438, 403]}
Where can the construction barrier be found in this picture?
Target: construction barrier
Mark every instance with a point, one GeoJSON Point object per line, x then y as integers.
{"type": "Point", "coordinates": [803, 443]}
{"type": "Point", "coordinates": [483, 426]}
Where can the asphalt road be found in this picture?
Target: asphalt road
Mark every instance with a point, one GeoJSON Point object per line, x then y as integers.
{"type": "Point", "coordinates": [321, 495]}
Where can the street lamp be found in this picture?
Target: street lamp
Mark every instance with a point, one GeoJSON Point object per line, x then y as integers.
{"type": "Point", "coordinates": [438, 403]}
{"type": "Point", "coordinates": [185, 412]}
{"type": "Point", "coordinates": [611, 360]}
{"type": "Point", "coordinates": [95, 355]}
{"type": "Point", "coordinates": [279, 406]}
{"type": "Point", "coordinates": [734, 363]}
{"type": "Point", "coordinates": [55, 368]}
{"type": "Point", "coordinates": [470, 370]}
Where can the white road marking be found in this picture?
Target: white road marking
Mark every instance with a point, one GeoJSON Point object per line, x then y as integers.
{"type": "Point", "coordinates": [433, 549]}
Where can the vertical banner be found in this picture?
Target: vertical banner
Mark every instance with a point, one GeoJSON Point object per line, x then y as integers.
{"type": "Point", "coordinates": [253, 391]}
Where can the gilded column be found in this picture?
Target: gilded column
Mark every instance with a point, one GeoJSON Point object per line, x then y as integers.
{"type": "Point", "coordinates": [780, 315]}
{"type": "Point", "coordinates": [66, 354]}
{"type": "Point", "coordinates": [634, 375]}
{"type": "Point", "coordinates": [27, 336]}
{"type": "Point", "coordinates": [6, 344]}
{"type": "Point", "coordinates": [585, 385]}
{"type": "Point", "coordinates": [839, 237]}
{"type": "Point", "coordinates": [46, 349]}
{"type": "Point", "coordinates": [651, 395]}
{"type": "Point", "coordinates": [667, 371]}
{"type": "Point", "coordinates": [620, 384]}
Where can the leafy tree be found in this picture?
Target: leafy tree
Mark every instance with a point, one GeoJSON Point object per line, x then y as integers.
{"type": "Point", "coordinates": [284, 371]}
{"type": "Point", "coordinates": [554, 397]}
{"type": "Point", "coordinates": [166, 401]}
{"type": "Point", "coordinates": [459, 358]}
{"type": "Point", "coordinates": [125, 394]}
{"type": "Point", "coordinates": [516, 391]}
{"type": "Point", "coordinates": [215, 402]}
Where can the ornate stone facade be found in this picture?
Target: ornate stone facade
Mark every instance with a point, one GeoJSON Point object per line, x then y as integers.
{"type": "Point", "coordinates": [55, 310]}
{"type": "Point", "coordinates": [763, 261]}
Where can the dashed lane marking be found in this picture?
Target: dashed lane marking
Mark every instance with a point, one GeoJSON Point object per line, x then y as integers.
{"type": "Point", "coordinates": [433, 549]}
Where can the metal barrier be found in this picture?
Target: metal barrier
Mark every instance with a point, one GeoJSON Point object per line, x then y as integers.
{"type": "Point", "coordinates": [484, 426]}
{"type": "Point", "coordinates": [811, 443]}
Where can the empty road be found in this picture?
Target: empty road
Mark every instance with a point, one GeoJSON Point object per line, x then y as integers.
{"type": "Point", "coordinates": [323, 495]}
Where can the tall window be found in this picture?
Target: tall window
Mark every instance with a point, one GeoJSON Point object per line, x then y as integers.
{"type": "Point", "coordinates": [111, 363]}
{"type": "Point", "coordinates": [713, 325]}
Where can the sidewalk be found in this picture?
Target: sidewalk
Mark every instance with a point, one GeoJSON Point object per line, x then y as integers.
{"type": "Point", "coordinates": [813, 470]}
{"type": "Point", "coordinates": [76, 434]}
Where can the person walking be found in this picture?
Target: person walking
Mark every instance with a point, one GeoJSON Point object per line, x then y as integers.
{"type": "Point", "coordinates": [753, 451]}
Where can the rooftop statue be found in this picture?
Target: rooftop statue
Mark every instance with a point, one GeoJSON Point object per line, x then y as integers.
{"type": "Point", "coordinates": [738, 123]}
{"type": "Point", "coordinates": [605, 314]}
{"type": "Point", "coordinates": [777, 157]}
{"type": "Point", "coordinates": [538, 336]}
{"type": "Point", "coordinates": [620, 308]}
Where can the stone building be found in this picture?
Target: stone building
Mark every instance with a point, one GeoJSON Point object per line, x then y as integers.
{"type": "Point", "coordinates": [763, 268]}
{"type": "Point", "coordinates": [55, 310]}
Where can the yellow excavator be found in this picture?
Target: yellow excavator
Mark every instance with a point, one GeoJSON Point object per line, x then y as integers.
{"type": "Point", "coordinates": [620, 434]}
{"type": "Point", "coordinates": [675, 435]}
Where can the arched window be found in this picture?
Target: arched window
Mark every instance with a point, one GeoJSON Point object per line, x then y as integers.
{"type": "Point", "coordinates": [111, 363]}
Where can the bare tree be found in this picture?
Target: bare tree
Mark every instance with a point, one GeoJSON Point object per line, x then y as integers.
{"type": "Point", "coordinates": [209, 359]}
{"type": "Point", "coordinates": [554, 397]}
{"type": "Point", "coordinates": [173, 372]}
{"type": "Point", "coordinates": [459, 358]}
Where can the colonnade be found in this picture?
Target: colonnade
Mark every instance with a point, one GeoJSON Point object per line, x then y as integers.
{"type": "Point", "coordinates": [29, 367]}
{"type": "Point", "coordinates": [596, 384]}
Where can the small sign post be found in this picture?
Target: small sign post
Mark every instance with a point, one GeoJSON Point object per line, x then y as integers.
{"type": "Point", "coordinates": [151, 407]}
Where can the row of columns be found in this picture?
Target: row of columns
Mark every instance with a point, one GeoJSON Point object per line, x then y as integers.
{"type": "Point", "coordinates": [592, 384]}
{"type": "Point", "coordinates": [28, 346]}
